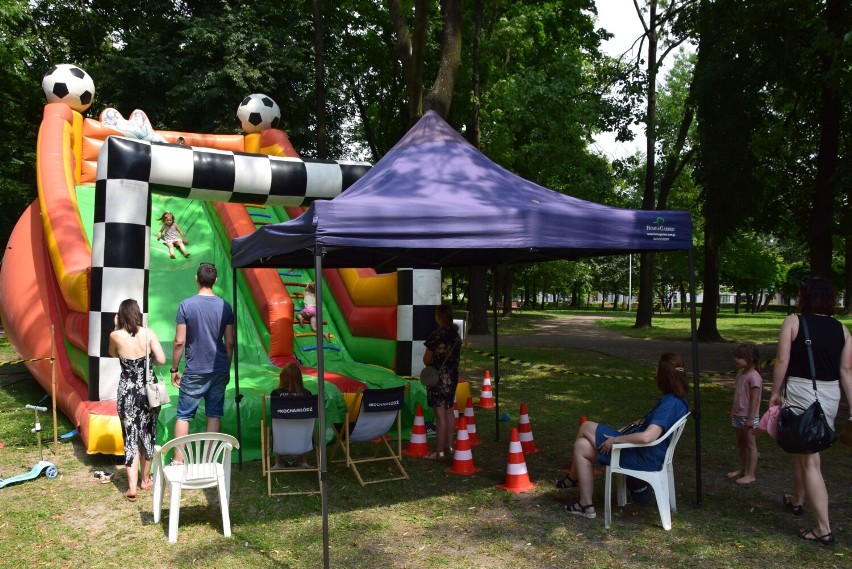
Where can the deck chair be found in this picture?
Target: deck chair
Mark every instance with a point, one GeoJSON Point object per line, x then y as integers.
{"type": "Point", "coordinates": [378, 410]}
{"type": "Point", "coordinates": [662, 481]}
{"type": "Point", "coordinates": [206, 463]}
{"type": "Point", "coordinates": [290, 431]}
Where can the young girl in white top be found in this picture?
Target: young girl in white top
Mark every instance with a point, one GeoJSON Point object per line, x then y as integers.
{"type": "Point", "coordinates": [745, 411]}
{"type": "Point", "coordinates": [172, 235]}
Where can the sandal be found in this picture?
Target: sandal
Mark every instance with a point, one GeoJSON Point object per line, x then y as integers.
{"type": "Point", "coordinates": [799, 510]}
{"type": "Point", "coordinates": [566, 482]}
{"type": "Point", "coordinates": [579, 509]}
{"type": "Point", "coordinates": [130, 497]}
{"type": "Point", "coordinates": [827, 539]}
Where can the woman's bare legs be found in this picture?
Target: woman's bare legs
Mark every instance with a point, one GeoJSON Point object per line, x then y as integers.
{"type": "Point", "coordinates": [813, 485]}
{"type": "Point", "coordinates": [145, 465]}
{"type": "Point", "coordinates": [133, 477]}
{"type": "Point", "coordinates": [445, 421]}
{"type": "Point", "coordinates": [582, 465]}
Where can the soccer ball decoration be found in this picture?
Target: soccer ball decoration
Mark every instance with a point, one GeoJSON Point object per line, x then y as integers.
{"type": "Point", "coordinates": [258, 112]}
{"type": "Point", "coordinates": [69, 84]}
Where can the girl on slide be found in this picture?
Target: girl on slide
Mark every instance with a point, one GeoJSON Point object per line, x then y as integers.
{"type": "Point", "coordinates": [172, 235]}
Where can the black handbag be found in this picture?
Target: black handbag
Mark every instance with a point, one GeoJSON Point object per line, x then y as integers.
{"type": "Point", "coordinates": [805, 431]}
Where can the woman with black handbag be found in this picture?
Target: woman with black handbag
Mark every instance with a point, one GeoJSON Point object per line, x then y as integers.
{"type": "Point", "coordinates": [135, 347]}
{"type": "Point", "coordinates": [807, 372]}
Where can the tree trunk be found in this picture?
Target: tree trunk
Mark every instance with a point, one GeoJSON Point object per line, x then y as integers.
{"type": "Point", "coordinates": [708, 330]}
{"type": "Point", "coordinates": [440, 96]}
{"type": "Point", "coordinates": [410, 50]}
{"type": "Point", "coordinates": [473, 131]}
{"type": "Point", "coordinates": [829, 145]}
{"type": "Point", "coordinates": [507, 291]}
{"type": "Point", "coordinates": [319, 74]}
{"type": "Point", "coordinates": [645, 311]}
{"type": "Point", "coordinates": [478, 301]}
{"type": "Point", "coordinates": [645, 314]}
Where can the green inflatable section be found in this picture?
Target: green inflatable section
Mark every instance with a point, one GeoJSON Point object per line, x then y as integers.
{"type": "Point", "coordinates": [172, 280]}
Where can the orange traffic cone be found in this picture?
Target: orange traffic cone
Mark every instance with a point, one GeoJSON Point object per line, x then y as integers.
{"type": "Point", "coordinates": [471, 423]}
{"type": "Point", "coordinates": [456, 415]}
{"type": "Point", "coordinates": [417, 447]}
{"type": "Point", "coordinates": [525, 432]}
{"type": "Point", "coordinates": [462, 456]}
{"type": "Point", "coordinates": [517, 477]}
{"type": "Point", "coordinates": [486, 399]}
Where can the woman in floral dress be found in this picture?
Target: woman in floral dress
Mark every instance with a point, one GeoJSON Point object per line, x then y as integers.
{"type": "Point", "coordinates": [443, 350]}
{"type": "Point", "coordinates": [131, 343]}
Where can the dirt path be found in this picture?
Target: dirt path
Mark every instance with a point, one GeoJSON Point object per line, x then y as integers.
{"type": "Point", "coordinates": [582, 332]}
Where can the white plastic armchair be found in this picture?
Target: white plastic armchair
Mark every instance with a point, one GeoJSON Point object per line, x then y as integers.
{"type": "Point", "coordinates": [662, 481]}
{"type": "Point", "coordinates": [202, 460]}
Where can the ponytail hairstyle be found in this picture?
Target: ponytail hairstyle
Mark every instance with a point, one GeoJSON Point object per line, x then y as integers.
{"type": "Point", "coordinates": [671, 376]}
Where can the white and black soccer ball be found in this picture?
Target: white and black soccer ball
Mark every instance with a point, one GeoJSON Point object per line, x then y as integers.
{"type": "Point", "coordinates": [69, 84]}
{"type": "Point", "coordinates": [258, 112]}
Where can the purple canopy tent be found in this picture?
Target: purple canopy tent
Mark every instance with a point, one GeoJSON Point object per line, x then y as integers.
{"type": "Point", "coordinates": [436, 201]}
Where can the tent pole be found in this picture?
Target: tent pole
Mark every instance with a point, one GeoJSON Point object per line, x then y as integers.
{"type": "Point", "coordinates": [237, 396]}
{"type": "Point", "coordinates": [496, 355]}
{"type": "Point", "coordinates": [323, 451]}
{"type": "Point", "coordinates": [695, 381]}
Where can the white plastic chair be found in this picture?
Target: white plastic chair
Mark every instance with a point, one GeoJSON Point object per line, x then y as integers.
{"type": "Point", "coordinates": [206, 459]}
{"type": "Point", "coordinates": [662, 481]}
{"type": "Point", "coordinates": [291, 432]}
{"type": "Point", "coordinates": [379, 409]}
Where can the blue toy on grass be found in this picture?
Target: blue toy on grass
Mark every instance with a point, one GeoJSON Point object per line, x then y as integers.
{"type": "Point", "coordinates": [48, 468]}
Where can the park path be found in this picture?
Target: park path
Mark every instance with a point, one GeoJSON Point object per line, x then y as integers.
{"type": "Point", "coordinates": [582, 332]}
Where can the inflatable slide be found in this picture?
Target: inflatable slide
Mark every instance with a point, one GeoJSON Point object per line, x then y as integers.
{"type": "Point", "coordinates": [80, 249]}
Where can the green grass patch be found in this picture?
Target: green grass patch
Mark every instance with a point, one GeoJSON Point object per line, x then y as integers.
{"type": "Point", "coordinates": [435, 519]}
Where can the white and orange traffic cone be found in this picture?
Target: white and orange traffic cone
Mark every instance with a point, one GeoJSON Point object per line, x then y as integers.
{"type": "Point", "coordinates": [462, 456]}
{"type": "Point", "coordinates": [517, 477]}
{"type": "Point", "coordinates": [525, 432]}
{"type": "Point", "coordinates": [471, 423]}
{"type": "Point", "coordinates": [486, 398]}
{"type": "Point", "coordinates": [417, 447]}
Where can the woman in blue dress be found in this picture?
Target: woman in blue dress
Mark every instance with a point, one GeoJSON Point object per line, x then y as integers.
{"type": "Point", "coordinates": [594, 440]}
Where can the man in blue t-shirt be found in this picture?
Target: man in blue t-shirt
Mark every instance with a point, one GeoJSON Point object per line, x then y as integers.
{"type": "Point", "coordinates": [205, 328]}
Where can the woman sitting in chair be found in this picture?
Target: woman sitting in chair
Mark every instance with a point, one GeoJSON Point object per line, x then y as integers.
{"type": "Point", "coordinates": [594, 440]}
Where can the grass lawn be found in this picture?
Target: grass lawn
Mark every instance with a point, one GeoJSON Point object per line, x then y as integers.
{"type": "Point", "coordinates": [433, 520]}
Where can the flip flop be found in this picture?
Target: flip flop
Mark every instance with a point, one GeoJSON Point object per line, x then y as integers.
{"type": "Point", "coordinates": [130, 497]}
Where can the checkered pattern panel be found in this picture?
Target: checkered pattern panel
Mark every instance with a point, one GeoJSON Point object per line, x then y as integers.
{"type": "Point", "coordinates": [130, 170]}
{"type": "Point", "coordinates": [419, 292]}
{"type": "Point", "coordinates": [220, 175]}
{"type": "Point", "coordinates": [120, 244]}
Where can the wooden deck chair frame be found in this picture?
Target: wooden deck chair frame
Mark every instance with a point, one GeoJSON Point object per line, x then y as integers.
{"type": "Point", "coordinates": [369, 404]}
{"type": "Point", "coordinates": [296, 408]}
{"type": "Point", "coordinates": [662, 480]}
